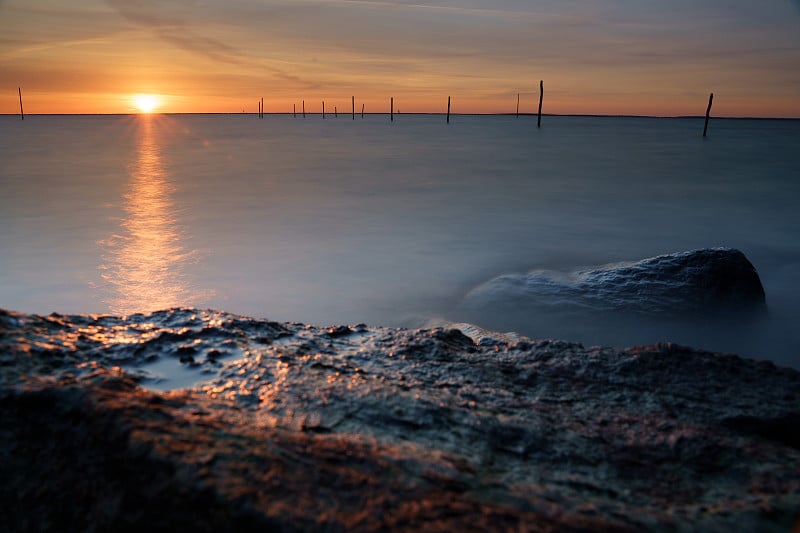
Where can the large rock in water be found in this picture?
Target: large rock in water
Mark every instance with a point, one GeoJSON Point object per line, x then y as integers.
{"type": "Point", "coordinates": [708, 282]}
{"type": "Point", "coordinates": [366, 429]}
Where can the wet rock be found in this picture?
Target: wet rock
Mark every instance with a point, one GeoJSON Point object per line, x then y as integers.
{"type": "Point", "coordinates": [707, 282]}
{"type": "Point", "coordinates": [339, 331]}
{"type": "Point", "coordinates": [447, 428]}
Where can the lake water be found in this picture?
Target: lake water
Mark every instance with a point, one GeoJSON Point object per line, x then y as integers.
{"type": "Point", "coordinates": [389, 223]}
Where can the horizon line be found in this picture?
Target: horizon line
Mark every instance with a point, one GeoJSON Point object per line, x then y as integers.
{"type": "Point", "coordinates": [344, 114]}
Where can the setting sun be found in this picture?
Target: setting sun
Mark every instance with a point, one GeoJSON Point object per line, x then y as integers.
{"type": "Point", "coordinates": [145, 103]}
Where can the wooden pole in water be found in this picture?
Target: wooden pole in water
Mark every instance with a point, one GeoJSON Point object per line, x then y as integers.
{"type": "Point", "coordinates": [708, 113]}
{"type": "Point", "coordinates": [541, 97]}
{"type": "Point", "coordinates": [21, 112]}
{"type": "Point", "coordinates": [448, 110]}
{"type": "Point", "coordinates": [294, 110]}
{"type": "Point", "coordinates": [304, 109]}
{"type": "Point", "coordinates": [517, 105]}
{"type": "Point", "coordinates": [354, 107]}
{"type": "Point", "coordinates": [262, 107]}
{"type": "Point", "coordinates": [323, 110]}
{"type": "Point", "coordinates": [391, 109]}
{"type": "Point", "coordinates": [362, 110]}
{"type": "Point", "coordinates": [335, 112]}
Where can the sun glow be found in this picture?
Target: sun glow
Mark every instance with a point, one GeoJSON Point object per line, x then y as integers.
{"type": "Point", "coordinates": [145, 103]}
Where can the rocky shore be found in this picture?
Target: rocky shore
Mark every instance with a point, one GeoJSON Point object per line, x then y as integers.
{"type": "Point", "coordinates": [295, 427]}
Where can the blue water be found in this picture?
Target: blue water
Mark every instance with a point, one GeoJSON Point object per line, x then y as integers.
{"type": "Point", "coordinates": [388, 223]}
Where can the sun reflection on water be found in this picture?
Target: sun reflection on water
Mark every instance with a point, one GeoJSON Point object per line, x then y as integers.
{"type": "Point", "coordinates": [146, 266]}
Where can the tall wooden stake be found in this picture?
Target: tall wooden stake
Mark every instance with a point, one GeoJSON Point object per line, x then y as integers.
{"type": "Point", "coordinates": [323, 110]}
{"type": "Point", "coordinates": [354, 107]}
{"type": "Point", "coordinates": [304, 109]}
{"type": "Point", "coordinates": [708, 113]}
{"type": "Point", "coordinates": [541, 97]}
{"type": "Point", "coordinates": [448, 110]}
{"type": "Point", "coordinates": [391, 109]}
{"type": "Point", "coordinates": [21, 112]}
{"type": "Point", "coordinates": [517, 105]}
{"type": "Point", "coordinates": [362, 110]}
{"type": "Point", "coordinates": [294, 110]}
{"type": "Point", "coordinates": [262, 107]}
{"type": "Point", "coordinates": [335, 112]}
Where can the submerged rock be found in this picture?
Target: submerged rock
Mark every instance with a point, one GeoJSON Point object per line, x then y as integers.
{"type": "Point", "coordinates": [366, 428]}
{"type": "Point", "coordinates": [708, 282]}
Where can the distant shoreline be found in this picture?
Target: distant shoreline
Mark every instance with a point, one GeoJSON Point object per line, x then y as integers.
{"type": "Point", "coordinates": [404, 114]}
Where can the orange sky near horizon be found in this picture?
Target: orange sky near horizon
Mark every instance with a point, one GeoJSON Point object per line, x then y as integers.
{"type": "Point", "coordinates": [622, 57]}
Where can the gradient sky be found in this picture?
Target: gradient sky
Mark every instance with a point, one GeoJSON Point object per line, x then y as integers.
{"type": "Point", "coordinates": [653, 57]}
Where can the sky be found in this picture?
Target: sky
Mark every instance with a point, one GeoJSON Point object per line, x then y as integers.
{"type": "Point", "coordinates": [617, 57]}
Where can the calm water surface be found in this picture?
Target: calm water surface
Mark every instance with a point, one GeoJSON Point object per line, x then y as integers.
{"type": "Point", "coordinates": [342, 221]}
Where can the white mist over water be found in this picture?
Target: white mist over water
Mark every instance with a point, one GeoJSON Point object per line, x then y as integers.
{"type": "Point", "coordinates": [342, 221]}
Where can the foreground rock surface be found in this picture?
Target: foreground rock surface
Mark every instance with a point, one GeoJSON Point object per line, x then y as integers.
{"type": "Point", "coordinates": [362, 428]}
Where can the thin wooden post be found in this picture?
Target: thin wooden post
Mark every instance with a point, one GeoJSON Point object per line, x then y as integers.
{"type": "Point", "coordinates": [541, 97]}
{"type": "Point", "coordinates": [294, 110]}
{"type": "Point", "coordinates": [21, 112]}
{"type": "Point", "coordinates": [262, 107]}
{"type": "Point", "coordinates": [304, 109]}
{"type": "Point", "coordinates": [323, 110]}
{"type": "Point", "coordinates": [362, 110]}
{"type": "Point", "coordinates": [391, 109]}
{"type": "Point", "coordinates": [517, 105]}
{"type": "Point", "coordinates": [708, 113]}
{"type": "Point", "coordinates": [335, 112]}
{"type": "Point", "coordinates": [448, 110]}
{"type": "Point", "coordinates": [354, 107]}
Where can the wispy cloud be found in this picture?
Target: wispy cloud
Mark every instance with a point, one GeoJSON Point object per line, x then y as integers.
{"type": "Point", "coordinates": [168, 22]}
{"type": "Point", "coordinates": [164, 19]}
{"type": "Point", "coordinates": [501, 8]}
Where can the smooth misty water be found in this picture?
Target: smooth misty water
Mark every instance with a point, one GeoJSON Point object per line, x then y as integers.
{"type": "Point", "coordinates": [342, 221]}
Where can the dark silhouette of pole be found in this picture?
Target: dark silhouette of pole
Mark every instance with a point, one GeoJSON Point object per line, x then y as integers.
{"type": "Point", "coordinates": [391, 109]}
{"type": "Point", "coordinates": [354, 107]}
{"type": "Point", "coordinates": [21, 112]}
{"type": "Point", "coordinates": [362, 110]}
{"type": "Point", "coordinates": [541, 97]}
{"type": "Point", "coordinates": [335, 112]}
{"type": "Point", "coordinates": [517, 105]}
{"type": "Point", "coordinates": [448, 110]}
{"type": "Point", "coordinates": [304, 109]}
{"type": "Point", "coordinates": [294, 110]}
{"type": "Point", "coordinates": [262, 107]}
{"type": "Point", "coordinates": [323, 110]}
{"type": "Point", "coordinates": [708, 113]}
